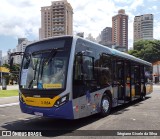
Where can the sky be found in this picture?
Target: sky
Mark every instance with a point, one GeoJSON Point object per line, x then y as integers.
{"type": "Point", "coordinates": [22, 18]}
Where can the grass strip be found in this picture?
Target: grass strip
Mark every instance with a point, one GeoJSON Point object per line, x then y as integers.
{"type": "Point", "coordinates": [8, 93]}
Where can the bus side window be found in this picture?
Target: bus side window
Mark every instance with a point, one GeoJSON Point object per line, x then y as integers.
{"type": "Point", "coordinates": [120, 71]}
{"type": "Point", "coordinates": [83, 75]}
{"type": "Point", "coordinates": [104, 72]}
{"type": "Point", "coordinates": [83, 68]}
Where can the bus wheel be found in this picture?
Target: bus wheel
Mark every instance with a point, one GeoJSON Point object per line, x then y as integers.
{"type": "Point", "coordinates": [105, 105]}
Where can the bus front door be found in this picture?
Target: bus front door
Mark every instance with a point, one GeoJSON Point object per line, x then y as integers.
{"type": "Point", "coordinates": [120, 82]}
{"type": "Point", "coordinates": [127, 70]}
{"type": "Point", "coordinates": [137, 80]}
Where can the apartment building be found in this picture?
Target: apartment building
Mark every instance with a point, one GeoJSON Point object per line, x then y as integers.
{"type": "Point", "coordinates": [22, 43]}
{"type": "Point", "coordinates": [56, 19]}
{"type": "Point", "coordinates": [106, 36]}
{"type": "Point", "coordinates": [143, 27]}
{"type": "Point", "coordinates": [120, 29]}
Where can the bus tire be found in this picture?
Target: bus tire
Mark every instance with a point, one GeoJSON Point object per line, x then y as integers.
{"type": "Point", "coordinates": [105, 106]}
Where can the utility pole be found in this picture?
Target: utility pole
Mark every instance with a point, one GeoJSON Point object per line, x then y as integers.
{"type": "Point", "coordinates": [158, 71]}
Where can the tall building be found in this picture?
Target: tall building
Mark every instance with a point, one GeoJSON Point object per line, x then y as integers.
{"type": "Point", "coordinates": [120, 29]}
{"type": "Point", "coordinates": [22, 43]}
{"type": "Point", "coordinates": [90, 38]}
{"type": "Point", "coordinates": [56, 19]}
{"type": "Point", "coordinates": [106, 36]}
{"type": "Point", "coordinates": [143, 27]}
{"type": "Point", "coordinates": [80, 34]}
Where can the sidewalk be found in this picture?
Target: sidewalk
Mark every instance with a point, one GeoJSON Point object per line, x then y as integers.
{"type": "Point", "coordinates": [10, 87]}
{"type": "Point", "coordinates": [7, 100]}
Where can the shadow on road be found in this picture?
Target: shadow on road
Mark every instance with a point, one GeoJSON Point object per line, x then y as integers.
{"type": "Point", "coordinates": [122, 108]}
{"type": "Point", "coordinates": [59, 127]}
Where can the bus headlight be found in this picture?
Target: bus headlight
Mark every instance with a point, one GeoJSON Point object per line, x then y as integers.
{"type": "Point", "coordinates": [62, 101]}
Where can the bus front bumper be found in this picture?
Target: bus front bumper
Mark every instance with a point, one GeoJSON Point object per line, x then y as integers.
{"type": "Point", "coordinates": [63, 112]}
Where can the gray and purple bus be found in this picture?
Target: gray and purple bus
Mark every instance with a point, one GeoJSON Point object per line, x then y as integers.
{"type": "Point", "coordinates": [70, 77]}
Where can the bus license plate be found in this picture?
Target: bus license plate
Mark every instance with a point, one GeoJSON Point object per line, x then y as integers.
{"type": "Point", "coordinates": [38, 113]}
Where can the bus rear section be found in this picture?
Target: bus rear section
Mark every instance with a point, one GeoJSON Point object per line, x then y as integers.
{"type": "Point", "coordinates": [104, 78]}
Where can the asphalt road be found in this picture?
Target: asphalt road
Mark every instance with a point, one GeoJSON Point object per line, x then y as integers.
{"type": "Point", "coordinates": [138, 115]}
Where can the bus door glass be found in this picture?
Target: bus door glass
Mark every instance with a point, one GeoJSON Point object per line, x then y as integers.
{"type": "Point", "coordinates": [137, 79]}
{"type": "Point", "coordinates": [127, 81]}
{"type": "Point", "coordinates": [120, 79]}
{"type": "Point", "coordinates": [83, 83]}
{"type": "Point", "coordinates": [132, 82]}
{"type": "Point", "coordinates": [143, 90]}
{"type": "Point", "coordinates": [148, 79]}
{"type": "Point", "coordinates": [115, 84]}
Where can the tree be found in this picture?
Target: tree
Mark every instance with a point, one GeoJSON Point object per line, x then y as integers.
{"type": "Point", "coordinates": [148, 50]}
{"type": "Point", "coordinates": [14, 73]}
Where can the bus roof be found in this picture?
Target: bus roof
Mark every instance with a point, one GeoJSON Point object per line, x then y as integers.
{"type": "Point", "coordinates": [130, 57]}
{"type": "Point", "coordinates": [115, 52]}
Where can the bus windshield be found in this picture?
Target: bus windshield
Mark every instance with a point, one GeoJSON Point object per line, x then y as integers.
{"type": "Point", "coordinates": [45, 67]}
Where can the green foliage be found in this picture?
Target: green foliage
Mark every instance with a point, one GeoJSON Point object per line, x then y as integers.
{"type": "Point", "coordinates": [148, 50]}
{"type": "Point", "coordinates": [14, 73]}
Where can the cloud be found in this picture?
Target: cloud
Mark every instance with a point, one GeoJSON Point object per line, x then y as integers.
{"type": "Point", "coordinates": [154, 7]}
{"type": "Point", "coordinates": [22, 18]}
{"type": "Point", "coordinates": [156, 30]}
{"type": "Point", "coordinates": [123, 1]}
{"type": "Point", "coordinates": [92, 16]}
{"type": "Point", "coordinates": [135, 4]}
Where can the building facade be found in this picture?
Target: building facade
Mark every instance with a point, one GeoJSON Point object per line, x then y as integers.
{"type": "Point", "coordinates": [80, 34]}
{"type": "Point", "coordinates": [56, 20]}
{"type": "Point", "coordinates": [120, 29]}
{"type": "Point", "coordinates": [143, 27]}
{"type": "Point", "coordinates": [106, 36]}
{"type": "Point", "coordinates": [22, 43]}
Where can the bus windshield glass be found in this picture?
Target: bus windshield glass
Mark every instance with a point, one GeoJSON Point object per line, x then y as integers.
{"type": "Point", "coordinates": [44, 65]}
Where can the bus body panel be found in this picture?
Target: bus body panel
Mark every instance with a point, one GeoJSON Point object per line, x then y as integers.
{"type": "Point", "coordinates": [88, 104]}
{"type": "Point", "coordinates": [63, 112]}
{"type": "Point", "coordinates": [149, 89]}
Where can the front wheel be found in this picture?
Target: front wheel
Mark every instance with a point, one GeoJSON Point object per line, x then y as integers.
{"type": "Point", "coordinates": [105, 105]}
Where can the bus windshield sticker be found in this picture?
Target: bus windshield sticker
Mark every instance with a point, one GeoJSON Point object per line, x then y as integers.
{"type": "Point", "coordinates": [24, 76]}
{"type": "Point", "coordinates": [52, 85]}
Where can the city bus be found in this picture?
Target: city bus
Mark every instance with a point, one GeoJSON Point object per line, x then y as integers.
{"type": "Point", "coordinates": [68, 77]}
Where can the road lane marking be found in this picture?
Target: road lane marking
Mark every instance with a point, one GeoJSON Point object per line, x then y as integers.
{"type": "Point", "coordinates": [8, 105]}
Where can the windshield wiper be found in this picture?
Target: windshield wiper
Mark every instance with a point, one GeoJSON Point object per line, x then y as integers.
{"type": "Point", "coordinates": [51, 55]}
